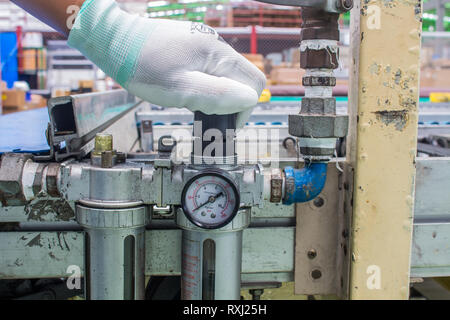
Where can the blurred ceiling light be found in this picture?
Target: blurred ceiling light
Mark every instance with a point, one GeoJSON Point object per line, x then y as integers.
{"type": "Point", "coordinates": [153, 4]}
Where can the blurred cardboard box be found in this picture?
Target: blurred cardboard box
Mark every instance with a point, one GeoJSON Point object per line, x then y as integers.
{"type": "Point", "coordinates": [3, 86]}
{"type": "Point", "coordinates": [295, 58]}
{"type": "Point", "coordinates": [86, 84]}
{"type": "Point", "coordinates": [435, 78]}
{"type": "Point", "coordinates": [34, 59]}
{"type": "Point", "coordinates": [60, 92]}
{"type": "Point", "coordinates": [37, 101]}
{"type": "Point", "coordinates": [13, 98]}
{"type": "Point", "coordinates": [426, 56]}
{"type": "Point", "coordinates": [256, 59]}
{"type": "Point", "coordinates": [284, 75]}
{"type": "Point", "coordinates": [441, 63]}
{"type": "Point", "coordinates": [341, 82]}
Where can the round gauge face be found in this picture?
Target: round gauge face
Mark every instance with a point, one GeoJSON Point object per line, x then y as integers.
{"type": "Point", "coordinates": [210, 200]}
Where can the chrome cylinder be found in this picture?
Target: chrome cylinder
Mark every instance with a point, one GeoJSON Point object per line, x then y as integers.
{"type": "Point", "coordinates": [212, 259]}
{"type": "Point", "coordinates": [114, 252]}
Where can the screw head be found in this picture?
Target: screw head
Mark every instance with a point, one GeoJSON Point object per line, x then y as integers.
{"type": "Point", "coordinates": [344, 5]}
{"type": "Point", "coordinates": [312, 254]}
{"type": "Point", "coordinates": [319, 202]}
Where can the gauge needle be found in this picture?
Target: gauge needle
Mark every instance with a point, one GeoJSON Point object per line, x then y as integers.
{"type": "Point", "coordinates": [211, 199]}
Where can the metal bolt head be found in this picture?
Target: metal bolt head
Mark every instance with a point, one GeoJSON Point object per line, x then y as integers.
{"type": "Point", "coordinates": [326, 106]}
{"type": "Point", "coordinates": [312, 254]}
{"type": "Point", "coordinates": [318, 126]}
{"type": "Point", "coordinates": [318, 202]}
{"type": "Point", "coordinates": [344, 5]}
{"type": "Point", "coordinates": [103, 142]}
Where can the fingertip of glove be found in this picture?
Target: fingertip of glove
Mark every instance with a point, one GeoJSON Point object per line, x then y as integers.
{"type": "Point", "coordinates": [250, 99]}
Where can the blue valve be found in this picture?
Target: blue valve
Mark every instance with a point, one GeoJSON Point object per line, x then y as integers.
{"type": "Point", "coordinates": [304, 184]}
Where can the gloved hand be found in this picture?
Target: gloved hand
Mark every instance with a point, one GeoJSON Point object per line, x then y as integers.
{"type": "Point", "coordinates": [166, 62]}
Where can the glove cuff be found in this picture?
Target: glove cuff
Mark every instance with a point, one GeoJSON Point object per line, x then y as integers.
{"type": "Point", "coordinates": [110, 37]}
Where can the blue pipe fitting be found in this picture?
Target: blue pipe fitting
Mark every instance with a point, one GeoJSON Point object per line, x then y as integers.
{"type": "Point", "coordinates": [302, 185]}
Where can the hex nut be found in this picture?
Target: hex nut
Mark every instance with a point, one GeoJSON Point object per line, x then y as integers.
{"type": "Point", "coordinates": [106, 159]}
{"type": "Point", "coordinates": [318, 126]}
{"type": "Point", "coordinates": [313, 81]}
{"type": "Point", "coordinates": [11, 167]}
{"type": "Point", "coordinates": [276, 186]}
{"type": "Point", "coordinates": [323, 106]}
{"type": "Point", "coordinates": [317, 152]}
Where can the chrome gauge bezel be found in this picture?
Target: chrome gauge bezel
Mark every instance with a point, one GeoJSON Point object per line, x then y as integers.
{"type": "Point", "coordinates": [222, 175]}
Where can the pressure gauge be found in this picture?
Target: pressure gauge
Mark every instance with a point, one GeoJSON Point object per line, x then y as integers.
{"type": "Point", "coordinates": [210, 199]}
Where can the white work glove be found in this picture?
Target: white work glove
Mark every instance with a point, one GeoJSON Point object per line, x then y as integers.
{"type": "Point", "coordinates": [168, 63]}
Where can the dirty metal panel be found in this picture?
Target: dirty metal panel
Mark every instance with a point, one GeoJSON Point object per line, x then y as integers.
{"type": "Point", "coordinates": [345, 187]}
{"type": "Point", "coordinates": [58, 210]}
{"type": "Point", "coordinates": [41, 209]}
{"type": "Point", "coordinates": [39, 254]}
{"type": "Point", "coordinates": [430, 256]}
{"type": "Point", "coordinates": [267, 253]}
{"type": "Point", "coordinates": [321, 243]}
{"type": "Point", "coordinates": [432, 201]}
{"type": "Point", "coordinates": [273, 210]}
{"type": "Point", "coordinates": [249, 279]}
{"type": "Point", "coordinates": [268, 250]}
{"type": "Point", "coordinates": [265, 250]}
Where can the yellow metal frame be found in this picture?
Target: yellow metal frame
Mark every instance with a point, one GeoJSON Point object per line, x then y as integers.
{"type": "Point", "coordinates": [384, 98]}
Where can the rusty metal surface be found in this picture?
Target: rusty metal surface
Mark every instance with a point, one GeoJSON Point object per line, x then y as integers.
{"type": "Point", "coordinates": [52, 179]}
{"type": "Point", "coordinates": [318, 24]}
{"type": "Point", "coordinates": [322, 58]}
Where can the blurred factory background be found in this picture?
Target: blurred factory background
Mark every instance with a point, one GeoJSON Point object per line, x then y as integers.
{"type": "Point", "coordinates": [37, 64]}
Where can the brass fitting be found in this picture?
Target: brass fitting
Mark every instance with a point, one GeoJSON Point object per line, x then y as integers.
{"type": "Point", "coordinates": [103, 142]}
